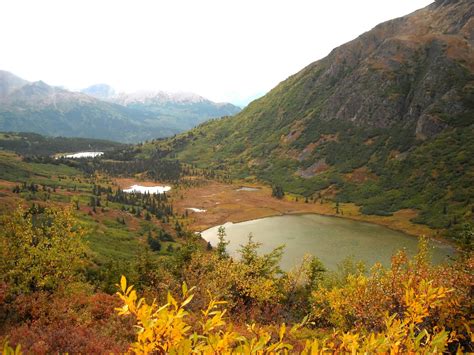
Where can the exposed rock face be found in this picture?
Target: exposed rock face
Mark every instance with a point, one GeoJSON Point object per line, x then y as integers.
{"type": "Point", "coordinates": [428, 126]}
{"type": "Point", "coordinates": [316, 168]}
{"type": "Point", "coordinates": [403, 70]}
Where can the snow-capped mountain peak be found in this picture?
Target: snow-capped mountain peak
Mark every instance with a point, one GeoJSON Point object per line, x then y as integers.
{"type": "Point", "coordinates": [156, 97]}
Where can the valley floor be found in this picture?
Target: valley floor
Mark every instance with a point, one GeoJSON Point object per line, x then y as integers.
{"type": "Point", "coordinates": [225, 203]}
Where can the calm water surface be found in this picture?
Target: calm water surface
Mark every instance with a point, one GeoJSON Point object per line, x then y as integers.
{"type": "Point", "coordinates": [84, 155]}
{"type": "Point", "coordinates": [148, 189]}
{"type": "Point", "coordinates": [331, 239]}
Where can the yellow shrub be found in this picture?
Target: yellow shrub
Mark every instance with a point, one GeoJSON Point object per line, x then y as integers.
{"type": "Point", "coordinates": [164, 329]}
{"type": "Point", "coordinates": [40, 251]}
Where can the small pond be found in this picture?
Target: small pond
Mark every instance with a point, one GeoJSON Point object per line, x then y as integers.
{"type": "Point", "coordinates": [148, 189]}
{"type": "Point", "coordinates": [246, 188]}
{"type": "Point", "coordinates": [83, 155]}
{"type": "Point", "coordinates": [197, 210]}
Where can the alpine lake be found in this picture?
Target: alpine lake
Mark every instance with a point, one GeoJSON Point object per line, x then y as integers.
{"type": "Point", "coordinates": [331, 239]}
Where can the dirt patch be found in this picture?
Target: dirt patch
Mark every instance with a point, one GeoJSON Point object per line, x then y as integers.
{"type": "Point", "coordinates": [369, 141]}
{"type": "Point", "coordinates": [328, 138]}
{"type": "Point", "coordinates": [223, 203]}
{"type": "Point", "coordinates": [8, 184]}
{"type": "Point", "coordinates": [292, 136]}
{"type": "Point", "coordinates": [306, 152]}
{"type": "Point", "coordinates": [315, 169]}
{"type": "Point", "coordinates": [330, 192]}
{"type": "Point", "coordinates": [360, 175]}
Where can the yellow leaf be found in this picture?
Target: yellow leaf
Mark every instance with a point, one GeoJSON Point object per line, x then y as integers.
{"type": "Point", "coordinates": [123, 283]}
{"type": "Point", "coordinates": [187, 301]}
{"type": "Point", "coordinates": [282, 331]}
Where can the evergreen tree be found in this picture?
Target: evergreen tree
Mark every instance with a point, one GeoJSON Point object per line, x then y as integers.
{"type": "Point", "coordinates": [153, 242]}
{"type": "Point", "coordinates": [277, 191]}
{"type": "Point", "coordinates": [222, 244]}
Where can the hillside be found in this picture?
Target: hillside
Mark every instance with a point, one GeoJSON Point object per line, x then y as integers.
{"type": "Point", "coordinates": [226, 239]}
{"type": "Point", "coordinates": [385, 121]}
{"type": "Point", "coordinates": [41, 108]}
{"type": "Point", "coordinates": [68, 231]}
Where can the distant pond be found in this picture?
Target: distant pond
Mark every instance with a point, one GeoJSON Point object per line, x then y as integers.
{"type": "Point", "coordinates": [79, 155]}
{"type": "Point", "coordinates": [147, 189]}
{"type": "Point", "coordinates": [331, 239]}
{"type": "Point", "coordinates": [247, 188]}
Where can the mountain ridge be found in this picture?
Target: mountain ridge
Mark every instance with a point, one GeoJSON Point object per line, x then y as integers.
{"type": "Point", "coordinates": [376, 106]}
{"type": "Point", "coordinates": [108, 93]}
{"type": "Point", "coordinates": [41, 108]}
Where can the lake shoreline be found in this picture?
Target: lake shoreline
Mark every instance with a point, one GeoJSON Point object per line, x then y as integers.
{"type": "Point", "coordinates": [224, 203]}
{"type": "Point", "coordinates": [330, 239]}
{"type": "Point", "coordinates": [297, 213]}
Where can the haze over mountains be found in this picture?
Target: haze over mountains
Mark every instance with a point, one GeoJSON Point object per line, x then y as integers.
{"type": "Point", "coordinates": [98, 113]}
{"type": "Point", "coordinates": [385, 121]}
{"type": "Point", "coordinates": [189, 108]}
{"type": "Point", "coordinates": [234, 221]}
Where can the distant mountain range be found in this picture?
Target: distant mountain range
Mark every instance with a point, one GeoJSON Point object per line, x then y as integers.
{"type": "Point", "coordinates": [190, 108]}
{"type": "Point", "coordinates": [98, 112]}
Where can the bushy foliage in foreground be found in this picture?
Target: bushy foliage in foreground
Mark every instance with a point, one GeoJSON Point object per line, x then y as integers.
{"type": "Point", "coordinates": [410, 307]}
{"type": "Point", "coordinates": [75, 320]}
{"type": "Point", "coordinates": [250, 285]}
{"type": "Point", "coordinates": [168, 328]}
{"type": "Point", "coordinates": [242, 305]}
{"type": "Point", "coordinates": [41, 249]}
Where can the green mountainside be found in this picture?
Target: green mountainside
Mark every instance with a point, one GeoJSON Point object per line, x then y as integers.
{"type": "Point", "coordinates": [44, 109]}
{"type": "Point", "coordinates": [385, 121]}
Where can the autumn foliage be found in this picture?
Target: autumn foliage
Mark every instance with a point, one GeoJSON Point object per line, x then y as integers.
{"type": "Point", "coordinates": [235, 305]}
{"type": "Point", "coordinates": [167, 328]}
{"type": "Point", "coordinates": [41, 249]}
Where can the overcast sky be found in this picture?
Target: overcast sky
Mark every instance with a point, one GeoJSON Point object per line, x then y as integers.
{"type": "Point", "coordinates": [225, 50]}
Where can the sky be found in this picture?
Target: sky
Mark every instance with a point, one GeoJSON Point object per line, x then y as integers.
{"type": "Point", "coordinates": [225, 50]}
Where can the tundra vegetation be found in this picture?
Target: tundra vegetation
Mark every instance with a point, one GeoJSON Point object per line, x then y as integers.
{"type": "Point", "coordinates": [88, 268]}
{"type": "Point", "coordinates": [383, 127]}
{"type": "Point", "coordinates": [52, 301]}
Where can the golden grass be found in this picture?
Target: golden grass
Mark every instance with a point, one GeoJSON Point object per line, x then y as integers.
{"type": "Point", "coordinates": [223, 203]}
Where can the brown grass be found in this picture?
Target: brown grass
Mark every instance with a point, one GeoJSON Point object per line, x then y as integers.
{"type": "Point", "coordinates": [360, 175]}
{"type": "Point", "coordinates": [223, 203]}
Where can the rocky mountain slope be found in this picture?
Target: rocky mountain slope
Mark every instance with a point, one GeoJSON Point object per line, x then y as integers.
{"type": "Point", "coordinates": [41, 108]}
{"type": "Point", "coordinates": [9, 83]}
{"type": "Point", "coordinates": [385, 121]}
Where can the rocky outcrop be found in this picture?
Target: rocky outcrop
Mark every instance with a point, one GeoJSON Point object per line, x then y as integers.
{"type": "Point", "coordinates": [402, 71]}
{"type": "Point", "coordinates": [428, 126]}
